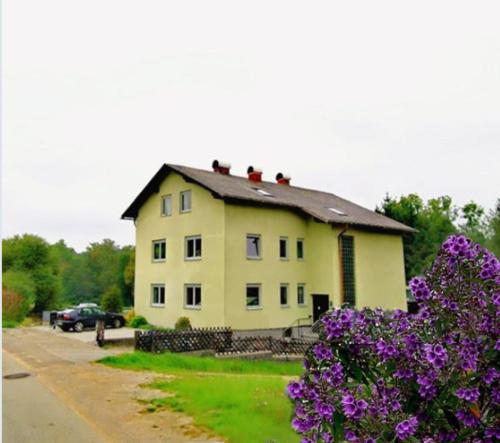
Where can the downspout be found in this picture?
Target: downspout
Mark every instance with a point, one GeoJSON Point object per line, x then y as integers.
{"type": "Point", "coordinates": [341, 264]}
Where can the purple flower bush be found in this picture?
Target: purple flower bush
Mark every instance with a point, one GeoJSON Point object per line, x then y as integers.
{"type": "Point", "coordinates": [429, 377]}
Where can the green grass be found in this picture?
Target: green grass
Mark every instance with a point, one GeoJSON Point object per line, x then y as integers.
{"type": "Point", "coordinates": [247, 409]}
{"type": "Point", "coordinates": [9, 324]}
{"type": "Point", "coordinates": [174, 363]}
{"type": "Point", "coordinates": [243, 401]}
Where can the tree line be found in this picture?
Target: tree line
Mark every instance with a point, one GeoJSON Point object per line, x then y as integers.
{"type": "Point", "coordinates": [40, 276]}
{"type": "Point", "coordinates": [436, 219]}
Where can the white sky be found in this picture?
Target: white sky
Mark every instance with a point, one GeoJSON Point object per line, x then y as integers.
{"type": "Point", "coordinates": [356, 97]}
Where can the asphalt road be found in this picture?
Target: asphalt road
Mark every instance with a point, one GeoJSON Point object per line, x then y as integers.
{"type": "Point", "coordinates": [69, 398]}
{"type": "Point", "coordinates": [32, 413]}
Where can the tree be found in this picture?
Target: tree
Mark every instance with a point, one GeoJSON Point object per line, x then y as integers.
{"type": "Point", "coordinates": [18, 295]}
{"type": "Point", "coordinates": [103, 262]}
{"type": "Point", "coordinates": [126, 274]}
{"type": "Point", "coordinates": [74, 272]}
{"type": "Point", "coordinates": [433, 222]}
{"type": "Point", "coordinates": [31, 254]}
{"type": "Point", "coordinates": [475, 225]}
{"type": "Point", "coordinates": [112, 300]}
{"type": "Point", "coordinates": [493, 240]}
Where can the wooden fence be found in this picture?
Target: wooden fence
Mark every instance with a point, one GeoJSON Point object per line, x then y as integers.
{"type": "Point", "coordinates": [220, 340]}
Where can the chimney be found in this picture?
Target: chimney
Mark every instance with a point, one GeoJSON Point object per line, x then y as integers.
{"type": "Point", "coordinates": [221, 167]}
{"type": "Point", "coordinates": [283, 179]}
{"type": "Point", "coordinates": [254, 174]}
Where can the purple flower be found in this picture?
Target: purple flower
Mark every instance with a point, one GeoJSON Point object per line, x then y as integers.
{"type": "Point", "coordinates": [436, 355]}
{"type": "Point", "coordinates": [333, 375]}
{"type": "Point", "coordinates": [491, 375]}
{"type": "Point", "coordinates": [467, 418]}
{"type": "Point", "coordinates": [468, 394]}
{"type": "Point", "coordinates": [419, 289]}
{"type": "Point", "coordinates": [303, 425]}
{"type": "Point", "coordinates": [353, 408]}
{"type": "Point", "coordinates": [427, 390]}
{"type": "Point", "coordinates": [406, 428]}
{"type": "Point", "coordinates": [444, 354]}
{"type": "Point", "coordinates": [295, 389]}
{"type": "Point", "coordinates": [324, 410]}
{"type": "Point", "coordinates": [322, 352]}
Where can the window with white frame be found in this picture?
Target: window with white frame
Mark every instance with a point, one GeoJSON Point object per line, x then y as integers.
{"type": "Point", "coordinates": [166, 205]}
{"type": "Point", "coordinates": [159, 250]}
{"type": "Point", "coordinates": [300, 248]}
{"type": "Point", "coordinates": [158, 295]}
{"type": "Point", "coordinates": [192, 296]}
{"type": "Point", "coordinates": [284, 295]}
{"type": "Point", "coordinates": [185, 203]}
{"type": "Point", "coordinates": [301, 294]}
{"type": "Point", "coordinates": [283, 248]}
{"type": "Point", "coordinates": [193, 247]}
{"type": "Point", "coordinates": [253, 246]}
{"type": "Point", "coordinates": [253, 296]}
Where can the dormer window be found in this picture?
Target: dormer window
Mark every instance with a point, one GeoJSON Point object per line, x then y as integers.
{"type": "Point", "coordinates": [337, 211]}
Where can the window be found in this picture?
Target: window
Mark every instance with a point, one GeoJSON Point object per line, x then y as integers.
{"type": "Point", "coordinates": [193, 247]}
{"type": "Point", "coordinates": [300, 249]}
{"type": "Point", "coordinates": [185, 205]}
{"type": "Point", "coordinates": [284, 295]}
{"type": "Point", "coordinates": [337, 211]}
{"type": "Point", "coordinates": [263, 192]}
{"type": "Point", "coordinates": [301, 294]}
{"type": "Point", "coordinates": [159, 250]}
{"type": "Point", "coordinates": [253, 296]}
{"type": "Point", "coordinates": [166, 205]}
{"type": "Point", "coordinates": [283, 248]}
{"type": "Point", "coordinates": [347, 247]}
{"type": "Point", "coordinates": [158, 295]}
{"type": "Point", "coordinates": [253, 246]}
{"type": "Point", "coordinates": [193, 297]}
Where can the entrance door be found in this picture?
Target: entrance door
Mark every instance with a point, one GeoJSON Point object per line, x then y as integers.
{"type": "Point", "coordinates": [320, 305]}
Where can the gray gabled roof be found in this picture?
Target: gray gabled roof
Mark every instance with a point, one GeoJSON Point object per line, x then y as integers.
{"type": "Point", "coordinates": [237, 189]}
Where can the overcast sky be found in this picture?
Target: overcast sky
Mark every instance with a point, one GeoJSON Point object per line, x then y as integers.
{"type": "Point", "coordinates": [359, 98]}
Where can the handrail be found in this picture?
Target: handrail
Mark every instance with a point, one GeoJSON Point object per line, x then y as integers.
{"type": "Point", "coordinates": [316, 326]}
{"type": "Point", "coordinates": [290, 327]}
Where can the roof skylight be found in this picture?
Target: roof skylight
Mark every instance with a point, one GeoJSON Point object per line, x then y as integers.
{"type": "Point", "coordinates": [337, 211]}
{"type": "Point", "coordinates": [263, 192]}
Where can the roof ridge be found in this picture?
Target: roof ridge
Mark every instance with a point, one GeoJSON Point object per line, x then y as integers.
{"type": "Point", "coordinates": [311, 202]}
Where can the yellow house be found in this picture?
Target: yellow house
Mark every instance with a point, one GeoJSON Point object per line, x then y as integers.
{"type": "Point", "coordinates": [225, 250]}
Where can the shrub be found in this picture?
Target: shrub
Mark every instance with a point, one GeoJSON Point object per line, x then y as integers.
{"type": "Point", "coordinates": [428, 377]}
{"type": "Point", "coordinates": [112, 300]}
{"type": "Point", "coordinates": [138, 321]}
{"type": "Point", "coordinates": [129, 315]}
{"type": "Point", "coordinates": [183, 323]}
{"type": "Point", "coordinates": [18, 295]}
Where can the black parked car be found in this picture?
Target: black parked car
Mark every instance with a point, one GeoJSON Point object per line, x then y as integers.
{"type": "Point", "coordinates": [85, 317]}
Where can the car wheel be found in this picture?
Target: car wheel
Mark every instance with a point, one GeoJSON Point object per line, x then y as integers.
{"type": "Point", "coordinates": [117, 323]}
{"type": "Point", "coordinates": [78, 326]}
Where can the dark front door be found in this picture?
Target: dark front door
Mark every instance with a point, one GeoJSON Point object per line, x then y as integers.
{"type": "Point", "coordinates": [320, 305]}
